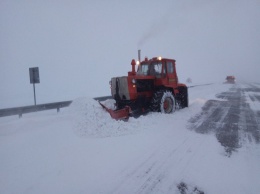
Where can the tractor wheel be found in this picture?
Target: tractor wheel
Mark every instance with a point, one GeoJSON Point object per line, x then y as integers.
{"type": "Point", "coordinates": [183, 97]}
{"type": "Point", "coordinates": [163, 101]}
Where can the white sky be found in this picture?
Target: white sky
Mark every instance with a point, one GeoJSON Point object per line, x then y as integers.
{"type": "Point", "coordinates": [79, 45]}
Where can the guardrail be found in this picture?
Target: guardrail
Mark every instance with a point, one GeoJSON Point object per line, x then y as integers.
{"type": "Point", "coordinates": [56, 105]}
{"type": "Point", "coordinates": [102, 98]}
{"type": "Point", "coordinates": [27, 109]}
{"type": "Point", "coordinates": [199, 85]}
{"type": "Point", "coordinates": [41, 107]}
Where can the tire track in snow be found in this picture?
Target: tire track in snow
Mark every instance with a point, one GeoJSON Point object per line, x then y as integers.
{"type": "Point", "coordinates": [155, 172]}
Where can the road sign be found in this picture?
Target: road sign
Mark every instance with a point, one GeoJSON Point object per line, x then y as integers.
{"type": "Point", "coordinates": [34, 75]}
{"type": "Point", "coordinates": [34, 79]}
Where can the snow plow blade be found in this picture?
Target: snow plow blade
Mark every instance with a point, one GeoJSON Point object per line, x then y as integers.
{"type": "Point", "coordinates": [121, 114]}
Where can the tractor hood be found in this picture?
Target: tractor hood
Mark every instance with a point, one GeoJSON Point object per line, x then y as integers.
{"type": "Point", "coordinates": [129, 87]}
{"type": "Point", "coordinates": [119, 88]}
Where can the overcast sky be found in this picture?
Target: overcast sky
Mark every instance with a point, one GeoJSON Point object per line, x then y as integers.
{"type": "Point", "coordinates": [79, 45]}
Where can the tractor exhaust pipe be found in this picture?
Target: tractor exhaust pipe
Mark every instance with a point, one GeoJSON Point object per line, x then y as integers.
{"type": "Point", "coordinates": [139, 55]}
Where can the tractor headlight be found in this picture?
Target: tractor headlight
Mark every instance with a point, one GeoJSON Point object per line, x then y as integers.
{"type": "Point", "coordinates": [133, 81]}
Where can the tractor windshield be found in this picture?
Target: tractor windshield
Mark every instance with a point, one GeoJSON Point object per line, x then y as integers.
{"type": "Point", "coordinates": [143, 69]}
{"type": "Point", "coordinates": [154, 69]}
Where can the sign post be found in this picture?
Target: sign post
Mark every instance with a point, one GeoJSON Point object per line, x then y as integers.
{"type": "Point", "coordinates": [34, 79]}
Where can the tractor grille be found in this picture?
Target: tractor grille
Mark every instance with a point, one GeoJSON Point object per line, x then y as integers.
{"type": "Point", "coordinates": [144, 85]}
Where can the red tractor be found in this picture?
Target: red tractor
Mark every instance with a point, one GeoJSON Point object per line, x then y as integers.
{"type": "Point", "coordinates": [154, 87]}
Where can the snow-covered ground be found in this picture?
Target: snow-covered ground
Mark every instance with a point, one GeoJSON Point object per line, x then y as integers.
{"type": "Point", "coordinates": [81, 150]}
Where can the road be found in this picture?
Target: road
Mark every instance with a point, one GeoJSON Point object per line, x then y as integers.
{"type": "Point", "coordinates": [234, 118]}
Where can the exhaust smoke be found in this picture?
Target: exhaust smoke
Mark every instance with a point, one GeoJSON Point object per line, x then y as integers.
{"type": "Point", "coordinates": [157, 28]}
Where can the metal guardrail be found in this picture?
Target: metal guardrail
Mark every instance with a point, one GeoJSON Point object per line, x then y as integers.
{"type": "Point", "coordinates": [56, 105]}
{"type": "Point", "coordinates": [41, 107]}
{"type": "Point", "coordinates": [102, 98]}
{"type": "Point", "coordinates": [28, 109]}
{"type": "Point", "coordinates": [199, 85]}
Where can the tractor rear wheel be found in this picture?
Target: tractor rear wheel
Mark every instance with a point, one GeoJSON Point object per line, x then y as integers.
{"type": "Point", "coordinates": [163, 101]}
{"type": "Point", "coordinates": [183, 97]}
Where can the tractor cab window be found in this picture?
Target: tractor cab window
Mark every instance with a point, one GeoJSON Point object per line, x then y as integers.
{"type": "Point", "coordinates": [170, 67]}
{"type": "Point", "coordinates": [143, 69]}
{"type": "Point", "coordinates": [155, 69]}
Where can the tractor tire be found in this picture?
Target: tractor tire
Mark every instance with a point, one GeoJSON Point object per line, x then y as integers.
{"type": "Point", "coordinates": [183, 97]}
{"type": "Point", "coordinates": [163, 101]}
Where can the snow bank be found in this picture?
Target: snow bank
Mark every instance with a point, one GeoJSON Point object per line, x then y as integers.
{"type": "Point", "coordinates": [91, 120]}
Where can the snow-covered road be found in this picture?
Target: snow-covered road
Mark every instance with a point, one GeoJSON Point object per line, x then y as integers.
{"type": "Point", "coordinates": [82, 150]}
{"type": "Point", "coordinates": [236, 120]}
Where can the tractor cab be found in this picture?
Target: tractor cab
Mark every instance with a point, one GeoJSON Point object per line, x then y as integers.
{"type": "Point", "coordinates": [162, 69]}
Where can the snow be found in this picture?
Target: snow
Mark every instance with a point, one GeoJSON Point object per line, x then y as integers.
{"type": "Point", "coordinates": [82, 150]}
